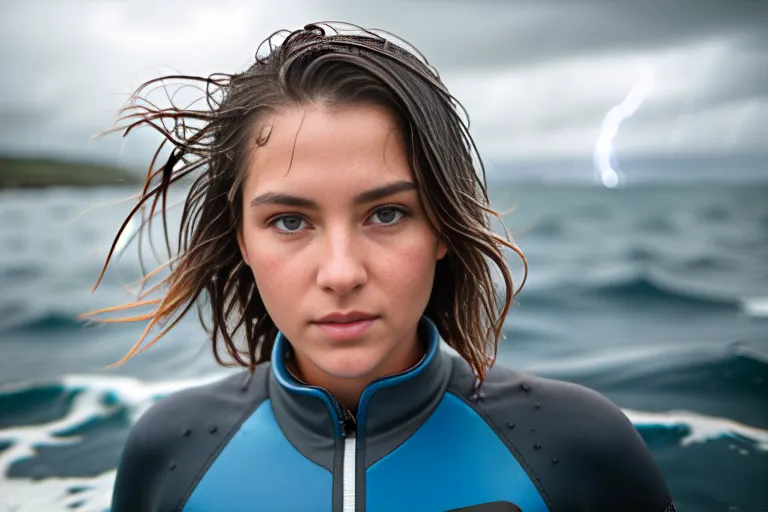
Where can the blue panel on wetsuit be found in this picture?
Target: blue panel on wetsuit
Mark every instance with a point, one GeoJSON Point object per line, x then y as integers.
{"type": "Point", "coordinates": [260, 470]}
{"type": "Point", "coordinates": [454, 460]}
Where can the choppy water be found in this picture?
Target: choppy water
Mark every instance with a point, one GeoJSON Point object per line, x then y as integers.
{"type": "Point", "coordinates": [656, 296]}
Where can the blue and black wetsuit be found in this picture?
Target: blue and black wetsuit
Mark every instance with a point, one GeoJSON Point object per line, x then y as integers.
{"type": "Point", "coordinates": [422, 440]}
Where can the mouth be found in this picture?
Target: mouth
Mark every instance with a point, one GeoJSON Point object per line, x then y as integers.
{"type": "Point", "coordinates": [345, 318]}
{"type": "Point", "coordinates": [345, 326]}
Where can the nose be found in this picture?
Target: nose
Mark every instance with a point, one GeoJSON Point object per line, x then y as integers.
{"type": "Point", "coordinates": [342, 267]}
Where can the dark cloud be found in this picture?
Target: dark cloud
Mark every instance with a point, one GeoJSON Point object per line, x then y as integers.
{"type": "Point", "coordinates": [537, 76]}
{"type": "Point", "coordinates": [493, 33]}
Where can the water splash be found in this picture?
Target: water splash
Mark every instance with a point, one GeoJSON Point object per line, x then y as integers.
{"type": "Point", "coordinates": [700, 428]}
{"type": "Point", "coordinates": [610, 127]}
{"type": "Point", "coordinates": [96, 398]}
{"type": "Point", "coordinates": [756, 306]}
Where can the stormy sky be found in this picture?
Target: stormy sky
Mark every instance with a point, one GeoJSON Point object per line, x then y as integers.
{"type": "Point", "coordinates": [538, 78]}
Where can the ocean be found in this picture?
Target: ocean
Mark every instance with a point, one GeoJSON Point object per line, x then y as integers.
{"type": "Point", "coordinates": [655, 295]}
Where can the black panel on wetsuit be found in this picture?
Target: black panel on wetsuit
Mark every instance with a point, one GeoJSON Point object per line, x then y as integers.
{"type": "Point", "coordinates": [579, 449]}
{"type": "Point", "coordinates": [159, 467]}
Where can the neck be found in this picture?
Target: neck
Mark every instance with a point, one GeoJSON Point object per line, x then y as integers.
{"type": "Point", "coordinates": [348, 390]}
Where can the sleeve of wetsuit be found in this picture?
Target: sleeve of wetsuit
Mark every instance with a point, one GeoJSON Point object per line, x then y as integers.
{"type": "Point", "coordinates": [165, 454]}
{"type": "Point", "coordinates": [615, 467]}
{"type": "Point", "coordinates": [138, 478]}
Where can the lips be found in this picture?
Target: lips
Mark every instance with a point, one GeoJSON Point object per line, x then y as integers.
{"type": "Point", "coordinates": [345, 318]}
{"type": "Point", "coordinates": [346, 326]}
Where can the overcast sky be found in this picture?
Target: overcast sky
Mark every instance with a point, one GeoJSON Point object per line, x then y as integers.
{"type": "Point", "coordinates": [537, 77]}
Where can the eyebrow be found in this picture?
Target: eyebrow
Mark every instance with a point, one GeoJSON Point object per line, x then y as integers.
{"type": "Point", "coordinates": [362, 198]}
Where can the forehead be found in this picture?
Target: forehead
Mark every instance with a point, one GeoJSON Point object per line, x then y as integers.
{"type": "Point", "coordinates": [315, 146]}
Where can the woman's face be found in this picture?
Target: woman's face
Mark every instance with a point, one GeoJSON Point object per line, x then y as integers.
{"type": "Point", "coordinates": [332, 224]}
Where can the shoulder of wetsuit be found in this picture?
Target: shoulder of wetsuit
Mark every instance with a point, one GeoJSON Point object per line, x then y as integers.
{"type": "Point", "coordinates": [580, 450]}
{"type": "Point", "coordinates": [175, 440]}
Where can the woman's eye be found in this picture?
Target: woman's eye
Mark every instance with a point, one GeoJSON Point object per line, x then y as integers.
{"type": "Point", "coordinates": [290, 223]}
{"type": "Point", "coordinates": [388, 215]}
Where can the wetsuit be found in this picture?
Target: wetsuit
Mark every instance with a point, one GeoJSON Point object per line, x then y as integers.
{"type": "Point", "coordinates": [423, 440]}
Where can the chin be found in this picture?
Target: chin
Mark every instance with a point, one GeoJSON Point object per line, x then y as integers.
{"type": "Point", "coordinates": [349, 364]}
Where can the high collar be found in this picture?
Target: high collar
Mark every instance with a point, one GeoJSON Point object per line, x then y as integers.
{"type": "Point", "coordinates": [386, 406]}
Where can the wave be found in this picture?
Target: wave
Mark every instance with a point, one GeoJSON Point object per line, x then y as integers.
{"type": "Point", "coordinates": [45, 322]}
{"type": "Point", "coordinates": [641, 255]}
{"type": "Point", "coordinates": [546, 228]}
{"type": "Point", "coordinates": [698, 428]}
{"type": "Point", "coordinates": [15, 273]}
{"type": "Point", "coordinates": [741, 369]}
{"type": "Point", "coordinates": [755, 306]}
{"type": "Point", "coordinates": [700, 263]}
{"type": "Point", "coordinates": [643, 288]}
{"type": "Point", "coordinates": [656, 225]}
{"type": "Point", "coordinates": [706, 262]}
{"type": "Point", "coordinates": [639, 289]}
{"type": "Point", "coordinates": [714, 213]}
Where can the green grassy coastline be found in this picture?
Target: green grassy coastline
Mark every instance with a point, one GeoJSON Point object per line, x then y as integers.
{"type": "Point", "coordinates": [22, 172]}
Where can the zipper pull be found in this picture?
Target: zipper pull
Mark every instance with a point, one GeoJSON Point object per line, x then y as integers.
{"type": "Point", "coordinates": [348, 422]}
{"type": "Point", "coordinates": [345, 417]}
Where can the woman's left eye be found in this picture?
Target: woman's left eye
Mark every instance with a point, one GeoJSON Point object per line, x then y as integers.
{"type": "Point", "coordinates": [389, 215]}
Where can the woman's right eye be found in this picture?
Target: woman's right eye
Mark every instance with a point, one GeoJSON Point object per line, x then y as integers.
{"type": "Point", "coordinates": [287, 224]}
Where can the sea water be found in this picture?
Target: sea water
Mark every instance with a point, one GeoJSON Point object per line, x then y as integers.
{"type": "Point", "coordinates": [655, 295]}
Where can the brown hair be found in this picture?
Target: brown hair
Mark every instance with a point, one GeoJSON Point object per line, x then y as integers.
{"type": "Point", "coordinates": [311, 65]}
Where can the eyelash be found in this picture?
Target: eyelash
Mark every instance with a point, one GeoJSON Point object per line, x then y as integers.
{"type": "Point", "coordinates": [271, 223]}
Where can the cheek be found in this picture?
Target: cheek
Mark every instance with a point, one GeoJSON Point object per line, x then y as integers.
{"type": "Point", "coordinates": [275, 275]}
{"type": "Point", "coordinates": [408, 271]}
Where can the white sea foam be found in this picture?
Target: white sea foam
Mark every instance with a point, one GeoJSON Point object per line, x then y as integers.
{"type": "Point", "coordinates": [755, 306]}
{"type": "Point", "coordinates": [701, 428]}
{"type": "Point", "coordinates": [99, 397]}
{"type": "Point", "coordinates": [58, 494]}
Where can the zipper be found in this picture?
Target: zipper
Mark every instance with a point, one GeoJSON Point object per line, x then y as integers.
{"type": "Point", "coordinates": [348, 426]}
{"type": "Point", "coordinates": [348, 471]}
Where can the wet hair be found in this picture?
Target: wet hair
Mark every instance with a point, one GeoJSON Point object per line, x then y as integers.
{"type": "Point", "coordinates": [210, 148]}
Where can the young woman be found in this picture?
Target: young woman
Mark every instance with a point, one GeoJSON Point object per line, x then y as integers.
{"type": "Point", "coordinates": [339, 233]}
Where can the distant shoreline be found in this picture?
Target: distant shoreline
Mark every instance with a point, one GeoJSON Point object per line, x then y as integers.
{"type": "Point", "coordinates": [24, 172]}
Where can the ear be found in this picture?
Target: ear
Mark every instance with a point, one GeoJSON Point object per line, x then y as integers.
{"type": "Point", "coordinates": [442, 249]}
{"type": "Point", "coordinates": [243, 248]}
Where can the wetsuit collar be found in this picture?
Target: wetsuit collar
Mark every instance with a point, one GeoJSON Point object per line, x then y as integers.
{"type": "Point", "coordinates": [386, 405]}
